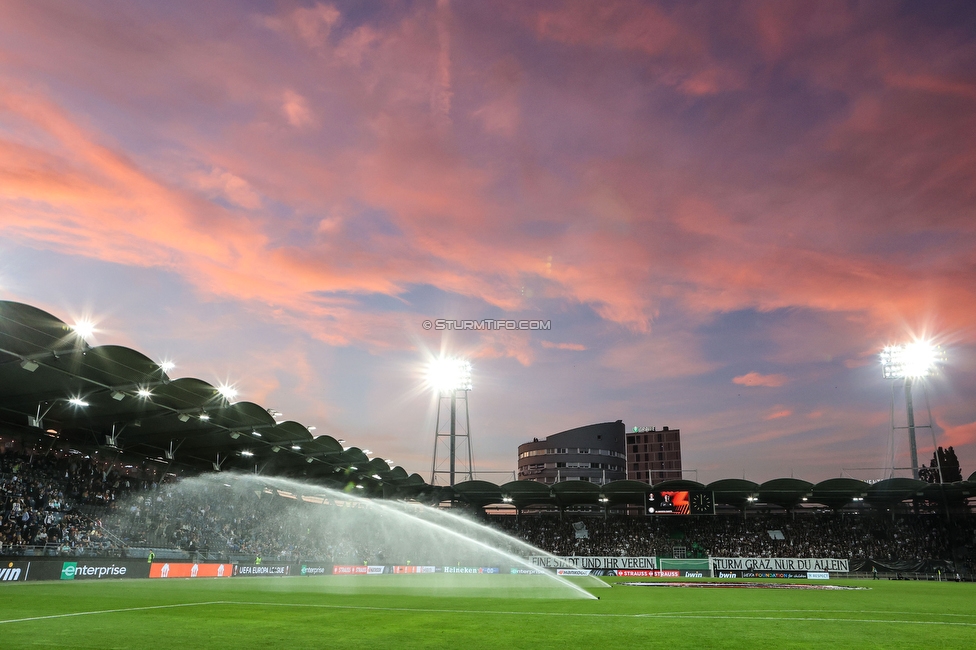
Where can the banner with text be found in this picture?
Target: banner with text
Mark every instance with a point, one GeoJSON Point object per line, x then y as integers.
{"type": "Point", "coordinates": [262, 570]}
{"type": "Point", "coordinates": [775, 564]}
{"type": "Point", "coordinates": [593, 562]}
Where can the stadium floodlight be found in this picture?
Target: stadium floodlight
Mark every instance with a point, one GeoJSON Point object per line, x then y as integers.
{"type": "Point", "coordinates": [204, 417]}
{"type": "Point", "coordinates": [166, 366]}
{"type": "Point", "coordinates": [296, 447]}
{"type": "Point", "coordinates": [449, 374]}
{"type": "Point", "coordinates": [29, 365]}
{"type": "Point", "coordinates": [911, 360]}
{"type": "Point", "coordinates": [144, 393]}
{"type": "Point", "coordinates": [450, 379]}
{"type": "Point", "coordinates": [908, 362]}
{"type": "Point", "coordinates": [84, 328]}
{"type": "Point", "coordinates": [227, 391]}
{"type": "Point", "coordinates": [247, 454]}
{"type": "Point", "coordinates": [77, 401]}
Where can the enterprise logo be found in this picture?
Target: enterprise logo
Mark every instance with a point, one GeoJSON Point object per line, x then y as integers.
{"type": "Point", "coordinates": [70, 570]}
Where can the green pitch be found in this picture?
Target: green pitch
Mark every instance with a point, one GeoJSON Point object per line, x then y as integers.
{"type": "Point", "coordinates": [471, 612]}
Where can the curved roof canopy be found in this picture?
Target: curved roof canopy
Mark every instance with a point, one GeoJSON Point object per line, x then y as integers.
{"type": "Point", "coordinates": [838, 492]}
{"type": "Point", "coordinates": [733, 491]}
{"type": "Point", "coordinates": [785, 492]}
{"type": "Point", "coordinates": [678, 485]}
{"type": "Point", "coordinates": [575, 493]}
{"type": "Point", "coordinates": [53, 383]}
{"type": "Point", "coordinates": [478, 493]}
{"type": "Point", "coordinates": [527, 493]}
{"type": "Point", "coordinates": [895, 490]}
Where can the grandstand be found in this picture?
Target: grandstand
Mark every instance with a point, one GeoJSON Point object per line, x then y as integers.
{"type": "Point", "coordinates": [93, 438]}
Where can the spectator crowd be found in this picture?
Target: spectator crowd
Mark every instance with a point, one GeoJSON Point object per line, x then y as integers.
{"type": "Point", "coordinates": [67, 502]}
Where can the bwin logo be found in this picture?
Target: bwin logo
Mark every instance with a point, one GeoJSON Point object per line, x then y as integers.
{"type": "Point", "coordinates": [10, 573]}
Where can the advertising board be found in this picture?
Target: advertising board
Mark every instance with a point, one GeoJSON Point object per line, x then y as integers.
{"type": "Point", "coordinates": [89, 569]}
{"type": "Point", "coordinates": [314, 570]}
{"type": "Point", "coordinates": [413, 568]}
{"type": "Point", "coordinates": [349, 569]}
{"type": "Point", "coordinates": [472, 569]}
{"type": "Point", "coordinates": [265, 570]}
{"type": "Point", "coordinates": [14, 571]}
{"type": "Point", "coordinates": [789, 575]}
{"type": "Point", "coordinates": [572, 572]}
{"type": "Point", "coordinates": [190, 570]}
{"type": "Point", "coordinates": [651, 573]}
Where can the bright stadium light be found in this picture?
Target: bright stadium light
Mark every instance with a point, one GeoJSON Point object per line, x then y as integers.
{"type": "Point", "coordinates": [84, 328]}
{"type": "Point", "coordinates": [912, 360]}
{"type": "Point", "coordinates": [166, 366]}
{"type": "Point", "coordinates": [448, 374]}
{"type": "Point", "coordinates": [909, 362]}
{"type": "Point", "coordinates": [77, 401]}
{"type": "Point", "coordinates": [144, 393]}
{"type": "Point", "coordinates": [450, 379]}
{"type": "Point", "coordinates": [227, 391]}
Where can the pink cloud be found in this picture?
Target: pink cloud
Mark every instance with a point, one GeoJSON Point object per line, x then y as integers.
{"type": "Point", "coordinates": [756, 379]}
{"type": "Point", "coordinates": [578, 347]}
{"type": "Point", "coordinates": [776, 415]}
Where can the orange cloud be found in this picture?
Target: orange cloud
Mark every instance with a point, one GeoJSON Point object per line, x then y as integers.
{"type": "Point", "coordinates": [578, 347]}
{"type": "Point", "coordinates": [756, 379]}
{"type": "Point", "coordinates": [775, 415]}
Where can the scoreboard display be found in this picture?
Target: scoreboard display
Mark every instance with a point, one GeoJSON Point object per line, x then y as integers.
{"type": "Point", "coordinates": [680, 502]}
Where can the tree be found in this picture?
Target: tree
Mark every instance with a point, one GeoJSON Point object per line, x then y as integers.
{"type": "Point", "coordinates": [946, 458]}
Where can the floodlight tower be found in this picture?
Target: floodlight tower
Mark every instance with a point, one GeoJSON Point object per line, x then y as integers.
{"type": "Point", "coordinates": [910, 362]}
{"type": "Point", "coordinates": [450, 378]}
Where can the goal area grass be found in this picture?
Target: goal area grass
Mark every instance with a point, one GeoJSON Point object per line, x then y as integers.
{"type": "Point", "coordinates": [480, 611]}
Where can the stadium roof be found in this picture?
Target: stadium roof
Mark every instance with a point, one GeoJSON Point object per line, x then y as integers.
{"type": "Point", "coordinates": [53, 383]}
{"type": "Point", "coordinates": [785, 492]}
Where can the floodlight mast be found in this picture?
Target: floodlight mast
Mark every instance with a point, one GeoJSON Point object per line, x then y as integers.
{"type": "Point", "coordinates": [450, 378]}
{"type": "Point", "coordinates": [908, 362]}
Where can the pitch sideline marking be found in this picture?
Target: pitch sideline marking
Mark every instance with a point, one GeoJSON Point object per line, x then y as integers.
{"type": "Point", "coordinates": [601, 615]}
{"type": "Point", "coordinates": [499, 612]}
{"type": "Point", "coordinates": [107, 611]}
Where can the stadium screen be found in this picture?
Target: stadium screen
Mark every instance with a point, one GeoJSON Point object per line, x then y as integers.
{"type": "Point", "coordinates": [680, 502]}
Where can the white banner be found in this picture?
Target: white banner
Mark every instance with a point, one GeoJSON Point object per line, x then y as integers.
{"type": "Point", "coordinates": [573, 572]}
{"type": "Point", "coordinates": [593, 562]}
{"type": "Point", "coordinates": [780, 564]}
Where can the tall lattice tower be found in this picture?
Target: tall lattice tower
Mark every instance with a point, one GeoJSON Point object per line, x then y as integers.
{"type": "Point", "coordinates": [450, 378]}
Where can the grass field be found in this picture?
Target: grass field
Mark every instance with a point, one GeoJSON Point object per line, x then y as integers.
{"type": "Point", "coordinates": [467, 613]}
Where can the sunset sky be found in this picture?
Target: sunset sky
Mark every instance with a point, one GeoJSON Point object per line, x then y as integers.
{"type": "Point", "coordinates": [724, 210]}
